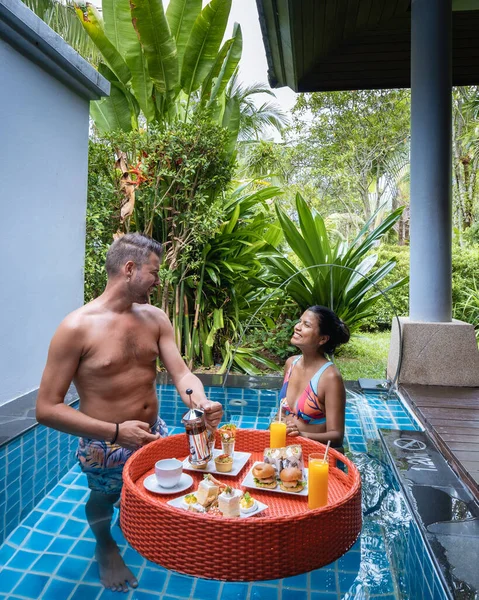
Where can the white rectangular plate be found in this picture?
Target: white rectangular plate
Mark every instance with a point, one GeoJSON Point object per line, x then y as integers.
{"type": "Point", "coordinates": [239, 461]}
{"type": "Point", "coordinates": [178, 503]}
{"type": "Point", "coordinates": [248, 482]}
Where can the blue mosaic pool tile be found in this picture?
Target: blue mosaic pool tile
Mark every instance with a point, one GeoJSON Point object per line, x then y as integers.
{"type": "Point", "coordinates": [61, 545]}
{"type": "Point", "coordinates": [6, 553]}
{"type": "Point", "coordinates": [152, 580]}
{"type": "Point", "coordinates": [296, 581]}
{"type": "Point", "coordinates": [73, 528]}
{"type": "Point", "coordinates": [91, 575]}
{"type": "Point", "coordinates": [84, 548]}
{"type": "Point", "coordinates": [139, 595]}
{"type": "Point", "coordinates": [86, 592]}
{"type": "Point", "coordinates": [47, 563]}
{"type": "Point", "coordinates": [9, 579]}
{"type": "Point", "coordinates": [326, 596]}
{"type": "Point", "coordinates": [290, 594]}
{"type": "Point", "coordinates": [31, 586]}
{"type": "Point", "coordinates": [50, 523]}
{"type": "Point", "coordinates": [37, 541]}
{"type": "Point", "coordinates": [206, 589]}
{"type": "Point", "coordinates": [73, 568]}
{"type": "Point", "coordinates": [234, 591]}
{"type": "Point", "coordinates": [22, 559]}
{"type": "Point", "coordinates": [179, 585]}
{"type": "Point", "coordinates": [323, 580]}
{"type": "Point", "coordinates": [58, 590]}
{"type": "Point", "coordinates": [263, 592]}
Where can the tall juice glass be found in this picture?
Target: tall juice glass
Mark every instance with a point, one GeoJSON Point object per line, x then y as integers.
{"type": "Point", "coordinates": [317, 480]}
{"type": "Point", "coordinates": [277, 434]}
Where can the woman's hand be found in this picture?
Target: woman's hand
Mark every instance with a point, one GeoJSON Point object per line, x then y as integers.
{"type": "Point", "coordinates": [292, 427]}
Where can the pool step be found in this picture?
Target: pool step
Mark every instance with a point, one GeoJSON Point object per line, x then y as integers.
{"type": "Point", "coordinates": [446, 512]}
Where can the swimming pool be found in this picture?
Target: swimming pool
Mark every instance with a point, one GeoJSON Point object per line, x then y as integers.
{"type": "Point", "coordinates": [47, 552]}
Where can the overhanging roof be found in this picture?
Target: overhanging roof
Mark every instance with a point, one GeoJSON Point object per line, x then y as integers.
{"type": "Point", "coordinates": [327, 45]}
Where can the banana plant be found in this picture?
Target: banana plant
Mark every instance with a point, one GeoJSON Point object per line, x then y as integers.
{"type": "Point", "coordinates": [170, 62]}
{"type": "Point", "coordinates": [348, 282]}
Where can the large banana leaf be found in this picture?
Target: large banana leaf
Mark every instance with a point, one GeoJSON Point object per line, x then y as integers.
{"type": "Point", "coordinates": [157, 42]}
{"type": "Point", "coordinates": [119, 29]}
{"type": "Point", "coordinates": [231, 121]}
{"type": "Point", "coordinates": [203, 44]}
{"type": "Point", "coordinates": [112, 113]}
{"type": "Point", "coordinates": [215, 69]}
{"type": "Point", "coordinates": [181, 15]}
{"type": "Point", "coordinates": [230, 64]}
{"type": "Point", "coordinates": [91, 21]}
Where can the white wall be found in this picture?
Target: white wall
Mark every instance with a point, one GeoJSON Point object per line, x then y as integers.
{"type": "Point", "coordinates": [43, 158]}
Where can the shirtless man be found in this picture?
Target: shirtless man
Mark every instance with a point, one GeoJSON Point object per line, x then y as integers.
{"type": "Point", "coordinates": [109, 348]}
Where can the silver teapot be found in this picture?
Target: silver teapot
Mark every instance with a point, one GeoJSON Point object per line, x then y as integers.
{"type": "Point", "coordinates": [197, 434]}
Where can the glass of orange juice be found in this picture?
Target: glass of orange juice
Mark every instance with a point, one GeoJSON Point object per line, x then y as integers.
{"type": "Point", "coordinates": [318, 472]}
{"type": "Point", "coordinates": [277, 434]}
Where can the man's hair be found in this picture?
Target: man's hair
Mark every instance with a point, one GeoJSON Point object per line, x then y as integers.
{"type": "Point", "coordinates": [132, 246]}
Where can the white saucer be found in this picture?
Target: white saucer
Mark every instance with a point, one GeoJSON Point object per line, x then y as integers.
{"type": "Point", "coordinates": [152, 484]}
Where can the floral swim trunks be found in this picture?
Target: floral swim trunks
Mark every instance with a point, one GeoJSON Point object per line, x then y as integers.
{"type": "Point", "coordinates": [103, 462]}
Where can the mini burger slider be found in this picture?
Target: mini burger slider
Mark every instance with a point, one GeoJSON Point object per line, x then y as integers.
{"type": "Point", "coordinates": [264, 476]}
{"type": "Point", "coordinates": [291, 480]}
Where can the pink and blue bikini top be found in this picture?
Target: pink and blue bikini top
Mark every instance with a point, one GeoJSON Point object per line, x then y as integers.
{"type": "Point", "coordinates": [307, 406]}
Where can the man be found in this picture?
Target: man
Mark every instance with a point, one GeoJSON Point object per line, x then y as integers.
{"type": "Point", "coordinates": [109, 348]}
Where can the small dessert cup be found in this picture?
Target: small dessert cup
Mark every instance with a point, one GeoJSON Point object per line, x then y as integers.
{"type": "Point", "coordinates": [228, 447]}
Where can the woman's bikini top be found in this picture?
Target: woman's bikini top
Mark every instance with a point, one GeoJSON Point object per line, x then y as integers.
{"type": "Point", "coordinates": [307, 406]}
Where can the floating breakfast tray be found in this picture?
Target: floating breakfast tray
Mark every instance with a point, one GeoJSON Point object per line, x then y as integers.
{"type": "Point", "coordinates": [284, 540]}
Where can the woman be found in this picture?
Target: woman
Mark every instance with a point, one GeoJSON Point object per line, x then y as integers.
{"type": "Point", "coordinates": [313, 396]}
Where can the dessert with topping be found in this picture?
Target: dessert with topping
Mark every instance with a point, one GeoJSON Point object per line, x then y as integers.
{"type": "Point", "coordinates": [224, 463]}
{"type": "Point", "coordinates": [229, 502]}
{"type": "Point", "coordinates": [208, 491]}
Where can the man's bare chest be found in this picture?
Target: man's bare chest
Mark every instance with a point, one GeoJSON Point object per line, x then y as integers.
{"type": "Point", "coordinates": [120, 347]}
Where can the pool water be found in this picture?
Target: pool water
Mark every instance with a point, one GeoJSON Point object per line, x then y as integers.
{"type": "Point", "coordinates": [48, 549]}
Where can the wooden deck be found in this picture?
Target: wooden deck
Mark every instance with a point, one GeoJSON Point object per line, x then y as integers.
{"type": "Point", "coordinates": [451, 417]}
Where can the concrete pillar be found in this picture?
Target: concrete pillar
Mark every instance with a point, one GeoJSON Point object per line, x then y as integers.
{"type": "Point", "coordinates": [431, 143]}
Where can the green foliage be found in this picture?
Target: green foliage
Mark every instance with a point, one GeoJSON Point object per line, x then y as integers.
{"type": "Point", "coordinates": [349, 291]}
{"type": "Point", "coordinates": [181, 173]}
{"type": "Point", "coordinates": [168, 65]}
{"type": "Point", "coordinates": [399, 297]}
{"type": "Point", "coordinates": [101, 217]}
{"type": "Point", "coordinates": [365, 355]}
{"type": "Point", "coordinates": [465, 274]}
{"type": "Point", "coordinates": [353, 145]}
{"type": "Point", "coordinates": [275, 341]}
{"type": "Point", "coordinates": [61, 17]}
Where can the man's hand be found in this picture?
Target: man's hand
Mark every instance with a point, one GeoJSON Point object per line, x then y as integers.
{"type": "Point", "coordinates": [291, 427]}
{"type": "Point", "coordinates": [134, 434]}
{"type": "Point", "coordinates": [213, 413]}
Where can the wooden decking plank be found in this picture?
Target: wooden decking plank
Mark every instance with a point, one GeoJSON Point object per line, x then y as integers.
{"type": "Point", "coordinates": [456, 438]}
{"type": "Point", "coordinates": [451, 416]}
{"type": "Point", "coordinates": [458, 414]}
{"type": "Point", "coordinates": [463, 446]}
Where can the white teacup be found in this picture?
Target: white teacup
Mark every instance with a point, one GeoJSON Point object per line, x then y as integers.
{"type": "Point", "coordinates": [168, 472]}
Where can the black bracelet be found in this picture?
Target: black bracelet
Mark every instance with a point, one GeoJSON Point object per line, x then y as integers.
{"type": "Point", "coordinates": [116, 433]}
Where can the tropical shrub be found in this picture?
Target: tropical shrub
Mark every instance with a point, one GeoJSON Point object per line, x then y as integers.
{"type": "Point", "coordinates": [350, 291]}
{"type": "Point", "coordinates": [399, 296]}
{"type": "Point", "coordinates": [102, 217]}
{"type": "Point", "coordinates": [465, 276]}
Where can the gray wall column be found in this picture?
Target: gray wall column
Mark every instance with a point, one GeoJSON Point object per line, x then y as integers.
{"type": "Point", "coordinates": [431, 141]}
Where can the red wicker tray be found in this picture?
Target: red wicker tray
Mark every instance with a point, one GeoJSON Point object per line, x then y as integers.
{"type": "Point", "coordinates": [284, 540]}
